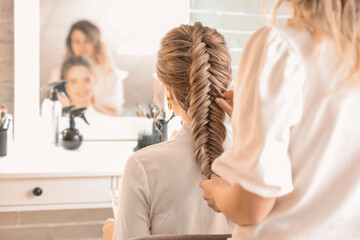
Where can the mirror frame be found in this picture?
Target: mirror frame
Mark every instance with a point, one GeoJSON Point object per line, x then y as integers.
{"type": "Point", "coordinates": [26, 65]}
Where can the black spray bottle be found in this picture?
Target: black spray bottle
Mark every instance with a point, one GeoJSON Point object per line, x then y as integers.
{"type": "Point", "coordinates": [51, 109]}
{"type": "Point", "coordinates": [70, 138]}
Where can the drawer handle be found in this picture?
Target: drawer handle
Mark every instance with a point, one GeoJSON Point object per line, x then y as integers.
{"type": "Point", "coordinates": [37, 191]}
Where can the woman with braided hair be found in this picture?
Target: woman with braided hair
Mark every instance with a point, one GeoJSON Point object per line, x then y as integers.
{"type": "Point", "coordinates": [160, 191]}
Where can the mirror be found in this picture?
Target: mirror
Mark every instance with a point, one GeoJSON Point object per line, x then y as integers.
{"type": "Point", "coordinates": [118, 39]}
{"type": "Point", "coordinates": [126, 45]}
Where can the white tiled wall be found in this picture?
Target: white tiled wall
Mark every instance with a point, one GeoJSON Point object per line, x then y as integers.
{"type": "Point", "coordinates": [235, 19]}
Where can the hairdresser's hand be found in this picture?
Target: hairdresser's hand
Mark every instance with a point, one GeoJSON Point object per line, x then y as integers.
{"type": "Point", "coordinates": [108, 229]}
{"type": "Point", "coordinates": [210, 187]}
{"type": "Point", "coordinates": [227, 103]}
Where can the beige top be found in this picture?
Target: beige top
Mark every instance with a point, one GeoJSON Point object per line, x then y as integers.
{"type": "Point", "coordinates": [160, 193]}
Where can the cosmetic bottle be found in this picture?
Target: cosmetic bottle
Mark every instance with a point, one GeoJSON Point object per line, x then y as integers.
{"type": "Point", "coordinates": [5, 130]}
{"type": "Point", "coordinates": [159, 133]}
{"type": "Point", "coordinates": [51, 110]}
{"type": "Point", "coordinates": [70, 138]}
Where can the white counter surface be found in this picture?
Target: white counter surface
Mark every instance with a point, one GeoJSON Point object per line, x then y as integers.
{"type": "Point", "coordinates": [39, 160]}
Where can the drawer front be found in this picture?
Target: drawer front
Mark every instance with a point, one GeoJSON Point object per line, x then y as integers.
{"type": "Point", "coordinates": [54, 190]}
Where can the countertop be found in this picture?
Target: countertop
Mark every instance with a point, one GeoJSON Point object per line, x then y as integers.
{"type": "Point", "coordinates": [40, 160]}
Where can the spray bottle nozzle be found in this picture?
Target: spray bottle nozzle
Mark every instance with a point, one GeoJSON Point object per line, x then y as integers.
{"type": "Point", "coordinates": [79, 112]}
{"type": "Point", "coordinates": [57, 87]}
{"type": "Point", "coordinates": [66, 110]}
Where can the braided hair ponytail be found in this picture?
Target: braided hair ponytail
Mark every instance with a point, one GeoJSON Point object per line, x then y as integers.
{"type": "Point", "coordinates": [195, 64]}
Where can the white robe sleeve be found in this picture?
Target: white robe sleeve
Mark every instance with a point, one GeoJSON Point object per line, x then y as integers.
{"type": "Point", "coordinates": [133, 219]}
{"type": "Point", "coordinates": [109, 90]}
{"type": "Point", "coordinates": [268, 101]}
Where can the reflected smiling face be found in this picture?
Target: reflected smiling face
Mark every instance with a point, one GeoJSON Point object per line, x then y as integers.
{"type": "Point", "coordinates": [80, 44]}
{"type": "Point", "coordinates": [79, 86]}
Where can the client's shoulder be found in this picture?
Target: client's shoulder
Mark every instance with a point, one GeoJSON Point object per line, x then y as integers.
{"type": "Point", "coordinates": [169, 152]}
{"type": "Point", "coordinates": [164, 150]}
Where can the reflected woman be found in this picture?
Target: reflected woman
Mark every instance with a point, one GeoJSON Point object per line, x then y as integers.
{"type": "Point", "coordinates": [84, 39]}
{"type": "Point", "coordinates": [78, 71]}
{"type": "Point", "coordinates": [160, 191]}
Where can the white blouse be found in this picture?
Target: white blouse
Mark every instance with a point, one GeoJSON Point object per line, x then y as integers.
{"type": "Point", "coordinates": [109, 89]}
{"type": "Point", "coordinates": [296, 137]}
{"type": "Point", "coordinates": [160, 193]}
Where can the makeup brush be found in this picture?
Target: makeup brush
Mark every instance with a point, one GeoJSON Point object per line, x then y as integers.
{"type": "Point", "coordinates": [7, 121]}
{"type": "Point", "coordinates": [3, 113]}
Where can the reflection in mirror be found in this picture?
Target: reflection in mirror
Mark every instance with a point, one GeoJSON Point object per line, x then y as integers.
{"type": "Point", "coordinates": [119, 38]}
{"type": "Point", "coordinates": [106, 51]}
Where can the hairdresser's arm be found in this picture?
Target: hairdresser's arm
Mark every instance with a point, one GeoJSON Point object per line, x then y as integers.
{"type": "Point", "coordinates": [108, 229]}
{"type": "Point", "coordinates": [238, 205]}
{"type": "Point", "coordinates": [105, 110]}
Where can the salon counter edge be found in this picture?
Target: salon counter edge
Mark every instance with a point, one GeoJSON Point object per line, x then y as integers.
{"type": "Point", "coordinates": [46, 177]}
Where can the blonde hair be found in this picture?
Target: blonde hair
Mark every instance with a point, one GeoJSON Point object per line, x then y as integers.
{"type": "Point", "coordinates": [339, 19]}
{"type": "Point", "coordinates": [194, 63]}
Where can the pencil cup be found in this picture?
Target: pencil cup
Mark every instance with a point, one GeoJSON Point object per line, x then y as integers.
{"type": "Point", "coordinates": [3, 142]}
